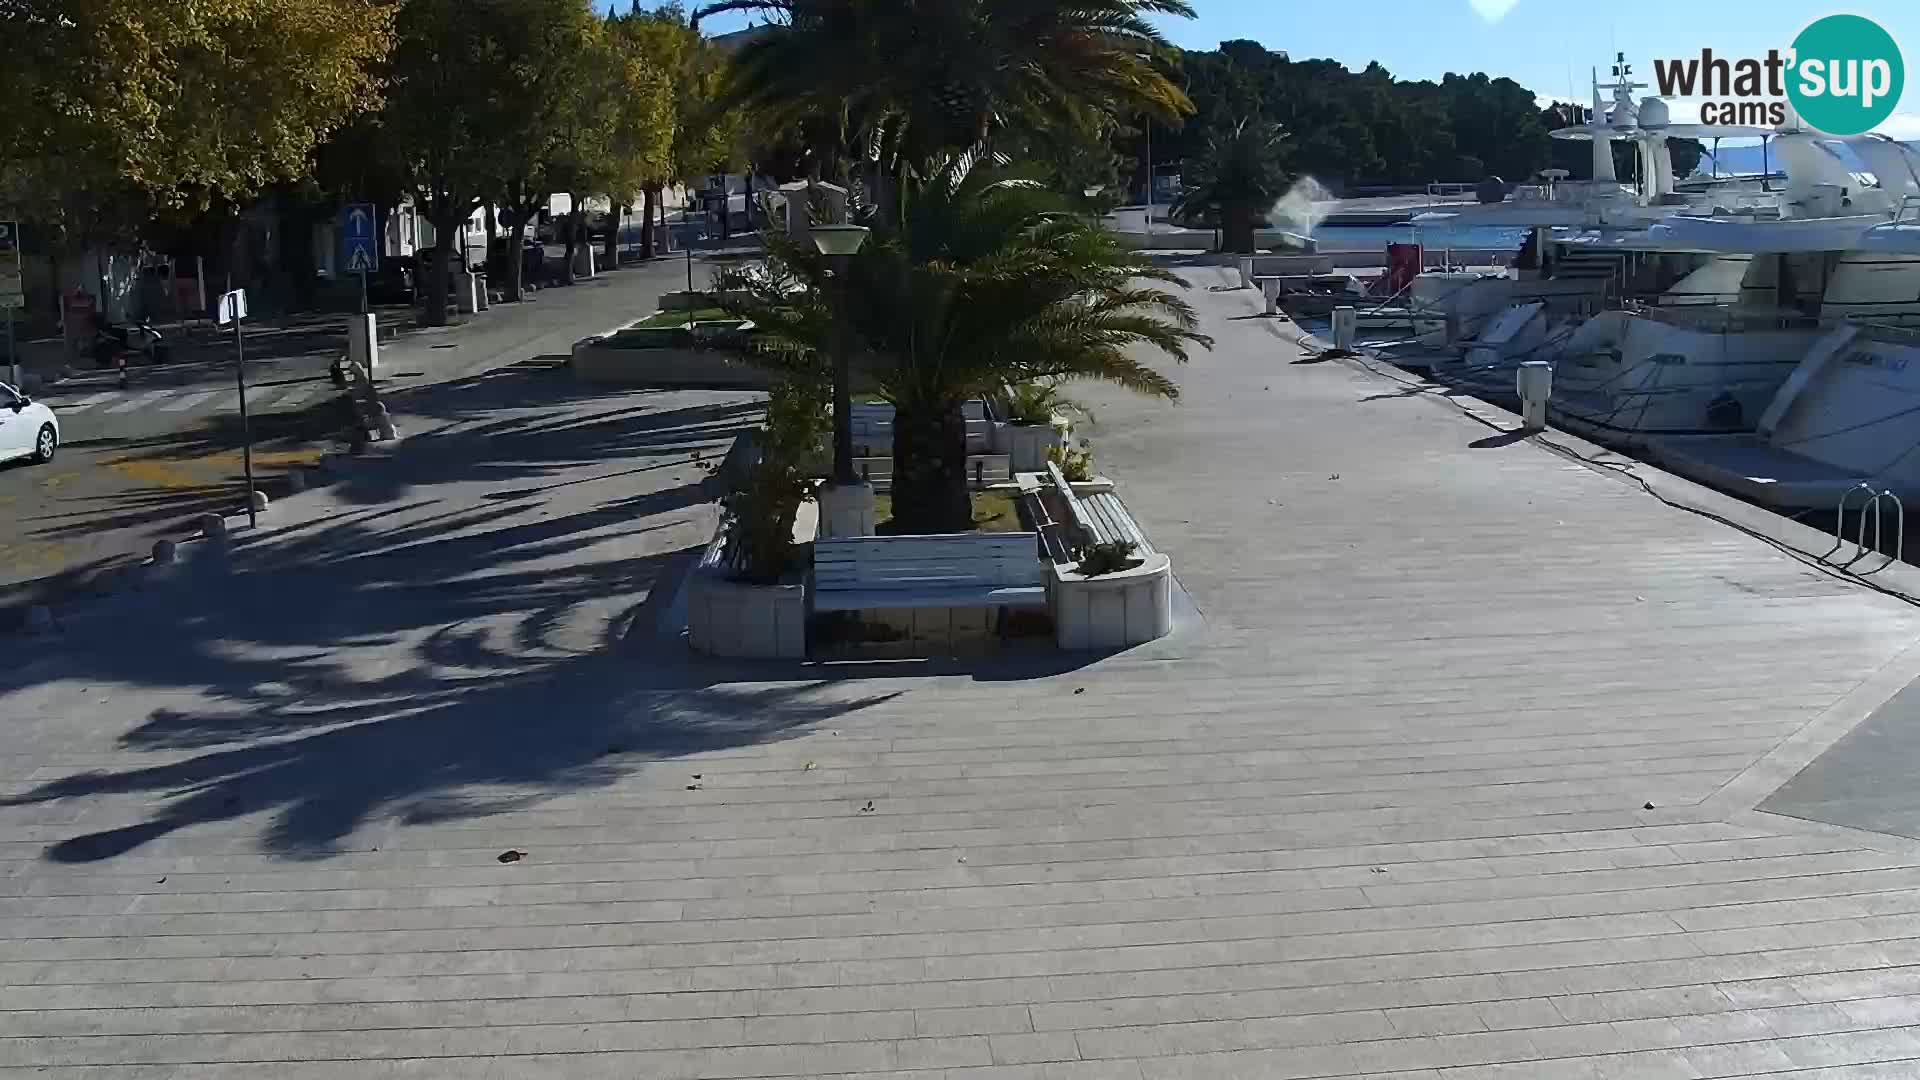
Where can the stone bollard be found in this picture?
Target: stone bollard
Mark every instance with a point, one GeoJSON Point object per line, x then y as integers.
{"type": "Point", "coordinates": [383, 423]}
{"type": "Point", "coordinates": [259, 500]}
{"type": "Point", "coordinates": [213, 526]}
{"type": "Point", "coordinates": [165, 552]}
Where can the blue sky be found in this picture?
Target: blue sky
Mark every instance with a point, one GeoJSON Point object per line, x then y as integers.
{"type": "Point", "coordinates": [1546, 45]}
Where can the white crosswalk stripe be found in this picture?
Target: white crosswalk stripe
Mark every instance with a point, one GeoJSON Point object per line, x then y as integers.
{"type": "Point", "coordinates": [295, 396]}
{"type": "Point", "coordinates": [190, 401]}
{"type": "Point", "coordinates": [87, 402]}
{"type": "Point", "coordinates": [137, 401]}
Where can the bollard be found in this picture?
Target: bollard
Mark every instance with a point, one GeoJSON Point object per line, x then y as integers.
{"type": "Point", "coordinates": [1270, 288]}
{"type": "Point", "coordinates": [258, 499]}
{"type": "Point", "coordinates": [1535, 384]}
{"type": "Point", "coordinates": [383, 423]}
{"type": "Point", "coordinates": [1345, 322]}
{"type": "Point", "coordinates": [213, 526]}
{"type": "Point", "coordinates": [363, 345]}
{"type": "Point", "coordinates": [165, 552]}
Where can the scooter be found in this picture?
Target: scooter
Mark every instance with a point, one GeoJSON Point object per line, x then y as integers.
{"type": "Point", "coordinates": [140, 343]}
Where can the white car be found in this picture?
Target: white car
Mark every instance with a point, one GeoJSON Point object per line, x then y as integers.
{"type": "Point", "coordinates": [27, 428]}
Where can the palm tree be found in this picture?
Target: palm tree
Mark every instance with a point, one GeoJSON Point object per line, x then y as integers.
{"type": "Point", "coordinates": [1241, 174]}
{"type": "Point", "coordinates": [985, 283]}
{"type": "Point", "coordinates": [908, 82]}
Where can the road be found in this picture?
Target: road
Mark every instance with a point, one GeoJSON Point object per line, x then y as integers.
{"type": "Point", "coordinates": [139, 464]}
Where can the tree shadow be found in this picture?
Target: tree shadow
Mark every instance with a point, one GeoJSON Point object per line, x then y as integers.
{"type": "Point", "coordinates": [416, 656]}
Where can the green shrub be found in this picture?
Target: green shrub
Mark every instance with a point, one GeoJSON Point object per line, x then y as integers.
{"type": "Point", "coordinates": [767, 500]}
{"type": "Point", "coordinates": [1110, 557]}
{"type": "Point", "coordinates": [1075, 465]}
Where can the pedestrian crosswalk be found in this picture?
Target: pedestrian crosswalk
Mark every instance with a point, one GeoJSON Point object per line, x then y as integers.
{"type": "Point", "coordinates": [180, 400]}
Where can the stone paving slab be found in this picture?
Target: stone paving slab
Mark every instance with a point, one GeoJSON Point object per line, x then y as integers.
{"type": "Point", "coordinates": [1456, 781]}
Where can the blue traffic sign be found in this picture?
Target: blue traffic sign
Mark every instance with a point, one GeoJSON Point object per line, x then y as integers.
{"type": "Point", "coordinates": [359, 247]}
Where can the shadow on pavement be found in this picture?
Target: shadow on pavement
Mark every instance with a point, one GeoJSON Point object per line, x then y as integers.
{"type": "Point", "coordinates": [413, 657]}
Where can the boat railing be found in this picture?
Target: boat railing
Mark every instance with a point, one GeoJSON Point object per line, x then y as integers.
{"type": "Point", "coordinates": [1908, 212]}
{"type": "Point", "coordinates": [1715, 319]}
{"type": "Point", "coordinates": [1886, 333]}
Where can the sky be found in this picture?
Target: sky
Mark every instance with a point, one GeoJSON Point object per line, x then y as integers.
{"type": "Point", "coordinates": [1547, 46]}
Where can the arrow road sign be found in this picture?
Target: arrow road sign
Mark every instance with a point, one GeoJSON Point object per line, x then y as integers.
{"type": "Point", "coordinates": [359, 249]}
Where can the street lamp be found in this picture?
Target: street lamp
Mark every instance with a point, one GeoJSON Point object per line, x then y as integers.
{"type": "Point", "coordinates": [840, 243]}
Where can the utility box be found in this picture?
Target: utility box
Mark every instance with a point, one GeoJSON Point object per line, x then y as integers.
{"type": "Point", "coordinates": [583, 261]}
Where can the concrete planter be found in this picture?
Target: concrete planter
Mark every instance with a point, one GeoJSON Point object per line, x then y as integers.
{"type": "Point", "coordinates": [606, 363]}
{"type": "Point", "coordinates": [1112, 611]}
{"type": "Point", "coordinates": [743, 621]}
{"type": "Point", "coordinates": [1026, 445]}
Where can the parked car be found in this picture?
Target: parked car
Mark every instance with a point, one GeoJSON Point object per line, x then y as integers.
{"type": "Point", "coordinates": [28, 429]}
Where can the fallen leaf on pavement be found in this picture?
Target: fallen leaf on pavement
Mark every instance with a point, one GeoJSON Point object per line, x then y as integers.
{"type": "Point", "coordinates": [512, 856]}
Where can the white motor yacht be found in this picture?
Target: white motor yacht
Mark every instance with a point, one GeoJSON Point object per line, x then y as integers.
{"type": "Point", "coordinates": [1590, 248]}
{"type": "Point", "coordinates": [1714, 367]}
{"type": "Point", "coordinates": [1848, 415]}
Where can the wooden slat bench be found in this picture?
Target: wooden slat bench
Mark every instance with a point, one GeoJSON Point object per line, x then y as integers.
{"type": "Point", "coordinates": [1099, 518]}
{"type": "Point", "coordinates": [953, 570]}
{"type": "Point", "coordinates": [982, 470]}
{"type": "Point", "coordinates": [873, 428]}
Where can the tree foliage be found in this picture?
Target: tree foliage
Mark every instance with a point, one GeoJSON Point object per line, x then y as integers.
{"type": "Point", "coordinates": [1240, 175]}
{"type": "Point", "coordinates": [907, 83]}
{"type": "Point", "coordinates": [176, 102]}
{"type": "Point", "coordinates": [986, 282]}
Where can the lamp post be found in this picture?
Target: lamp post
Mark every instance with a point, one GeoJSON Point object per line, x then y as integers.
{"type": "Point", "coordinates": [846, 506]}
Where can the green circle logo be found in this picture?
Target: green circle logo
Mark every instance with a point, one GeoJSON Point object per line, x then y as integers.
{"type": "Point", "coordinates": [1847, 75]}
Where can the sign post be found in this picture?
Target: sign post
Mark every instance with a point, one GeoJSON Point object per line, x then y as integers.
{"type": "Point", "coordinates": [233, 309]}
{"type": "Point", "coordinates": [12, 294]}
{"type": "Point", "coordinates": [358, 249]}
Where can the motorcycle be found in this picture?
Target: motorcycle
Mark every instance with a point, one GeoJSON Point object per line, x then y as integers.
{"type": "Point", "coordinates": [140, 343]}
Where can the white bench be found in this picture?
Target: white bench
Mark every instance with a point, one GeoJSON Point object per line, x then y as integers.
{"type": "Point", "coordinates": [982, 470]}
{"type": "Point", "coordinates": [872, 424]}
{"type": "Point", "coordinates": [953, 570]}
{"type": "Point", "coordinates": [1099, 518]}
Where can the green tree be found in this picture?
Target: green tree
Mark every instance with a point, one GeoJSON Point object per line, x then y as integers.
{"type": "Point", "coordinates": [986, 282]}
{"type": "Point", "coordinates": [480, 102]}
{"type": "Point", "coordinates": [120, 110]}
{"type": "Point", "coordinates": [184, 101]}
{"type": "Point", "coordinates": [1240, 176]}
{"type": "Point", "coordinates": [911, 82]}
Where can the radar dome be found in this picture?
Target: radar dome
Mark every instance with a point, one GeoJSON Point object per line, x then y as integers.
{"type": "Point", "coordinates": [1653, 113]}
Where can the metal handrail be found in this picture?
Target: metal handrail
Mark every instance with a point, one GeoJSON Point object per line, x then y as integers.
{"type": "Point", "coordinates": [1840, 520]}
{"type": "Point", "coordinates": [1899, 552]}
{"type": "Point", "coordinates": [1872, 506]}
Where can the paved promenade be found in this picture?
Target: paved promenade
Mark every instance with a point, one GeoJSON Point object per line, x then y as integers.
{"type": "Point", "coordinates": [1458, 780]}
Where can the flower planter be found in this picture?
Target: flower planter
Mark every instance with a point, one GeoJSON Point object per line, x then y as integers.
{"type": "Point", "coordinates": [741, 620]}
{"type": "Point", "coordinates": [1113, 611]}
{"type": "Point", "coordinates": [1026, 445]}
{"type": "Point", "coordinates": [642, 358]}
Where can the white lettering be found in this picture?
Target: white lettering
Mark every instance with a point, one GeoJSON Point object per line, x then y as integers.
{"type": "Point", "coordinates": [1840, 86]}
{"type": "Point", "coordinates": [1813, 78]}
{"type": "Point", "coordinates": [1878, 79]}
